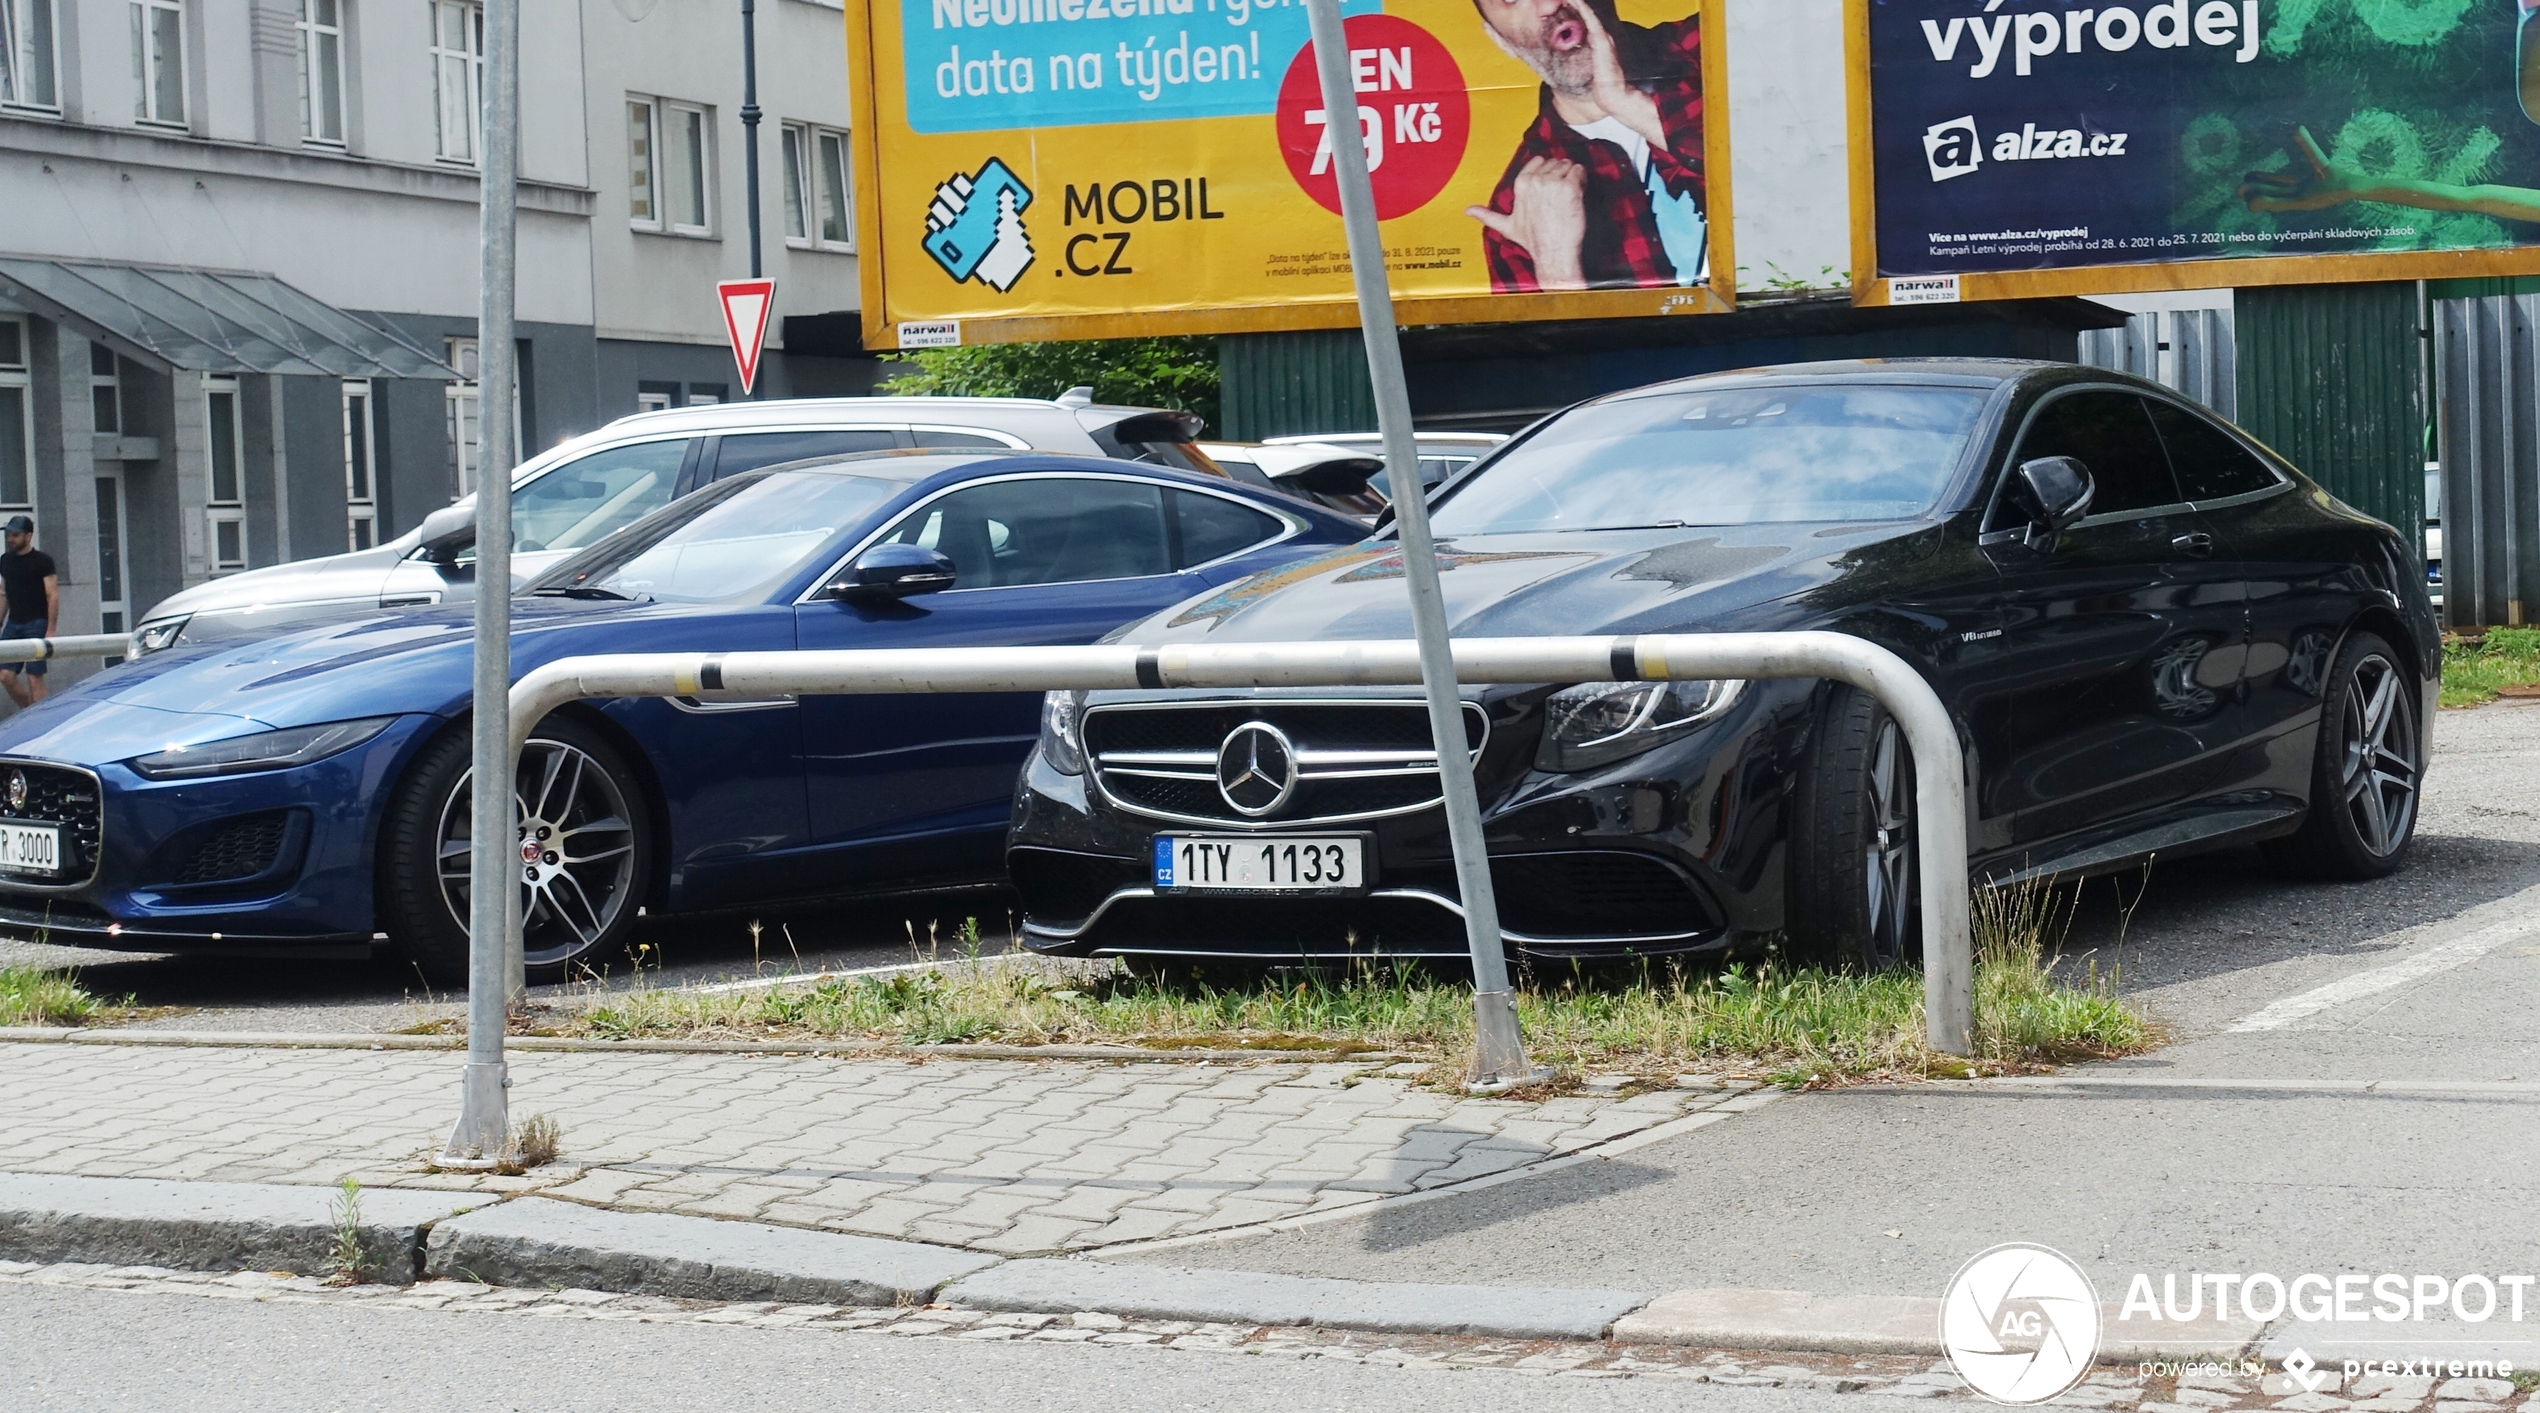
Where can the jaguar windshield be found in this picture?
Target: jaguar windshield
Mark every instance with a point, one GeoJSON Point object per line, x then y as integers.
{"type": "Point", "coordinates": [739, 537]}
{"type": "Point", "coordinates": [1734, 456]}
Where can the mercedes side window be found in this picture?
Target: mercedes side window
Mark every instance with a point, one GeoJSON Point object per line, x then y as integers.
{"type": "Point", "coordinates": [2110, 433]}
{"type": "Point", "coordinates": [1213, 527]}
{"type": "Point", "coordinates": [577, 503]}
{"type": "Point", "coordinates": [1045, 530]}
{"type": "Point", "coordinates": [2210, 465]}
{"type": "Point", "coordinates": [748, 451]}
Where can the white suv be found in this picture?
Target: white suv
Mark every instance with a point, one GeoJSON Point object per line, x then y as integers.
{"type": "Point", "coordinates": [572, 495]}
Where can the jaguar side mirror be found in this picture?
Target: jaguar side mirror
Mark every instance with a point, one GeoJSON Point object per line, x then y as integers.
{"type": "Point", "coordinates": [2058, 491]}
{"type": "Point", "coordinates": [886, 573]}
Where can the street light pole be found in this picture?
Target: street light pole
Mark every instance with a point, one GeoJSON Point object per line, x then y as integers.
{"type": "Point", "coordinates": [749, 125]}
{"type": "Point", "coordinates": [1499, 1060]}
{"type": "Point", "coordinates": [494, 958]}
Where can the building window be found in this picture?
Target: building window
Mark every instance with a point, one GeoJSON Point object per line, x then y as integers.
{"type": "Point", "coordinates": [322, 71]}
{"type": "Point", "coordinates": [226, 505]}
{"type": "Point", "coordinates": [463, 405]}
{"type": "Point", "coordinates": [685, 169]}
{"type": "Point", "coordinates": [458, 75]}
{"type": "Point", "coordinates": [643, 182]}
{"type": "Point", "coordinates": [28, 58]}
{"type": "Point", "coordinates": [17, 429]}
{"type": "Point", "coordinates": [158, 62]}
{"type": "Point", "coordinates": [361, 468]}
{"type": "Point", "coordinates": [105, 389]}
{"type": "Point", "coordinates": [819, 204]}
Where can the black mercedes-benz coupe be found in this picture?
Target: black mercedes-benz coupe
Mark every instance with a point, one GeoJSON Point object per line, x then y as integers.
{"type": "Point", "coordinates": [2155, 636]}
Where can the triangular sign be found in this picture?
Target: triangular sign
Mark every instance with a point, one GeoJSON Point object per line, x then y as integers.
{"type": "Point", "coordinates": [745, 307]}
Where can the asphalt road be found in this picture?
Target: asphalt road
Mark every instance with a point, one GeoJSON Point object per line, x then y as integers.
{"type": "Point", "coordinates": [84, 1350]}
{"type": "Point", "coordinates": [2209, 1155]}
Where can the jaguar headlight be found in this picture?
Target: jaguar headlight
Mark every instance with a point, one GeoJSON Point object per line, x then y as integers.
{"type": "Point", "coordinates": [266, 750]}
{"type": "Point", "coordinates": [1596, 723]}
{"type": "Point", "coordinates": [1062, 739]}
{"type": "Point", "coordinates": [151, 637]}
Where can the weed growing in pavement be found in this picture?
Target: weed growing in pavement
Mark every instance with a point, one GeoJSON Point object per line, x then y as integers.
{"type": "Point", "coordinates": [534, 1144]}
{"type": "Point", "coordinates": [1800, 1026]}
{"type": "Point", "coordinates": [2480, 669]}
{"type": "Point", "coordinates": [34, 996]}
{"type": "Point", "coordinates": [345, 1263]}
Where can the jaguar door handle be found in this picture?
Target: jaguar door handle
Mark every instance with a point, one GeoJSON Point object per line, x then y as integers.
{"type": "Point", "coordinates": [2198, 544]}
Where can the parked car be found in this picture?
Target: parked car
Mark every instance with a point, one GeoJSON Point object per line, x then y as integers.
{"type": "Point", "coordinates": [1442, 454]}
{"type": "Point", "coordinates": [310, 788]}
{"type": "Point", "coordinates": [1336, 478]}
{"type": "Point", "coordinates": [568, 497]}
{"type": "Point", "coordinates": [2156, 638]}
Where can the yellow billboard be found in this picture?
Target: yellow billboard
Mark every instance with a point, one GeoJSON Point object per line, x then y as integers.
{"type": "Point", "coordinates": [1052, 169]}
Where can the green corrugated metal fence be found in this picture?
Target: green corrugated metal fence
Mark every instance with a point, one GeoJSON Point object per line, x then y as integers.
{"type": "Point", "coordinates": [1294, 384]}
{"type": "Point", "coordinates": [2331, 376]}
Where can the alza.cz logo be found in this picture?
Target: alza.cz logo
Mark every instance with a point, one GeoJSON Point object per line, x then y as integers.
{"type": "Point", "coordinates": [1956, 149]}
{"type": "Point", "coordinates": [2020, 1324]}
{"type": "Point", "coordinates": [974, 226]}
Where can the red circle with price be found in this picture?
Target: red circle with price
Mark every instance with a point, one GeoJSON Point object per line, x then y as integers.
{"type": "Point", "coordinates": [1412, 113]}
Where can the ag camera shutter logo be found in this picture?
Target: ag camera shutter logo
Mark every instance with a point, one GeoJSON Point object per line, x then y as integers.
{"type": "Point", "coordinates": [1953, 148]}
{"type": "Point", "coordinates": [2020, 1323]}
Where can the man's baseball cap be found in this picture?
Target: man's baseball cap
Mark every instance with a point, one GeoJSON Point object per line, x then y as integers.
{"type": "Point", "coordinates": [20, 525]}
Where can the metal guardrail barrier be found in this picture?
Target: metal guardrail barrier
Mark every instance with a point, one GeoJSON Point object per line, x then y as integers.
{"type": "Point", "coordinates": [83, 645]}
{"type": "Point", "coordinates": [1940, 804]}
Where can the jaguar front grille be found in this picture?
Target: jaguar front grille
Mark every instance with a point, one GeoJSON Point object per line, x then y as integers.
{"type": "Point", "coordinates": [55, 794]}
{"type": "Point", "coordinates": [1351, 760]}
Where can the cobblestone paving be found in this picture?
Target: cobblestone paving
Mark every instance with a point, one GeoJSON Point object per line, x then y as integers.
{"type": "Point", "coordinates": [1874, 1378]}
{"type": "Point", "coordinates": [1001, 1156]}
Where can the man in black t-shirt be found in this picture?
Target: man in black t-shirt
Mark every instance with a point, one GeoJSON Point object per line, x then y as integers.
{"type": "Point", "coordinates": [35, 606]}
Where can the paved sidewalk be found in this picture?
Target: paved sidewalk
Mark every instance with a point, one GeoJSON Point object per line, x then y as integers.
{"type": "Point", "coordinates": [999, 1156]}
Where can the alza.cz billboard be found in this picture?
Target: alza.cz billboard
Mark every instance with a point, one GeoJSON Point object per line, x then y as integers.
{"type": "Point", "coordinates": [2043, 147]}
{"type": "Point", "coordinates": [1036, 169]}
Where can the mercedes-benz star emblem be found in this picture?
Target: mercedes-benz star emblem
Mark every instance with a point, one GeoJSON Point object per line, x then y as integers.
{"type": "Point", "coordinates": [16, 789]}
{"type": "Point", "coordinates": [1256, 769]}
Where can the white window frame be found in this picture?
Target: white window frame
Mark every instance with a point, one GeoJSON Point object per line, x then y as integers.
{"type": "Point", "coordinates": [111, 381]}
{"type": "Point", "coordinates": [361, 467]}
{"type": "Point", "coordinates": [808, 174]}
{"type": "Point", "coordinates": [313, 31]}
{"type": "Point", "coordinates": [147, 64]}
{"type": "Point", "coordinates": [469, 65]}
{"type": "Point", "coordinates": [670, 116]}
{"type": "Point", "coordinates": [652, 402]}
{"type": "Point", "coordinates": [14, 375]}
{"type": "Point", "coordinates": [217, 511]}
{"type": "Point", "coordinates": [643, 169]}
{"type": "Point", "coordinates": [21, 48]}
{"type": "Point", "coordinates": [465, 405]}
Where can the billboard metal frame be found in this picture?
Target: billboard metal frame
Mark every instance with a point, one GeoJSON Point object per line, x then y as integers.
{"type": "Point", "coordinates": [1869, 288]}
{"type": "Point", "coordinates": [1340, 310]}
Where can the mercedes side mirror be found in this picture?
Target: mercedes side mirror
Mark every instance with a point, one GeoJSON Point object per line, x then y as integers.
{"type": "Point", "coordinates": [448, 532]}
{"type": "Point", "coordinates": [2058, 491]}
{"type": "Point", "coordinates": [886, 573]}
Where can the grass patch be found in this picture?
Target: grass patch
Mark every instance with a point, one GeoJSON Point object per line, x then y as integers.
{"type": "Point", "coordinates": [1796, 1026]}
{"type": "Point", "coordinates": [35, 996]}
{"type": "Point", "coordinates": [2478, 670]}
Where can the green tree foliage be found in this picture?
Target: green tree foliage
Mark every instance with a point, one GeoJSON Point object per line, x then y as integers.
{"type": "Point", "coordinates": [1179, 373]}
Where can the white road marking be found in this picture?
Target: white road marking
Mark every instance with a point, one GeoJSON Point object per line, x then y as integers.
{"type": "Point", "coordinates": [2444, 956]}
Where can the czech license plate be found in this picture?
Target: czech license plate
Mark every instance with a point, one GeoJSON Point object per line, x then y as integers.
{"type": "Point", "coordinates": [1288, 863]}
{"type": "Point", "coordinates": [30, 848]}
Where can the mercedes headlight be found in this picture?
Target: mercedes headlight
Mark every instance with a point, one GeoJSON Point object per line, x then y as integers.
{"type": "Point", "coordinates": [266, 750]}
{"type": "Point", "coordinates": [151, 637]}
{"type": "Point", "coordinates": [1062, 737]}
{"type": "Point", "coordinates": [1595, 723]}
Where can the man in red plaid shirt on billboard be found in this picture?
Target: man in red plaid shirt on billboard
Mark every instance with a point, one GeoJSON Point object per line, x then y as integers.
{"type": "Point", "coordinates": [1606, 189]}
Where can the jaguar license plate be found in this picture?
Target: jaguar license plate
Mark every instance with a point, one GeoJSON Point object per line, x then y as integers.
{"type": "Point", "coordinates": [30, 848]}
{"type": "Point", "coordinates": [1287, 863]}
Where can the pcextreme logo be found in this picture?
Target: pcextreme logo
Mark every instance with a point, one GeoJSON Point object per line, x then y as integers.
{"type": "Point", "coordinates": [2020, 1323]}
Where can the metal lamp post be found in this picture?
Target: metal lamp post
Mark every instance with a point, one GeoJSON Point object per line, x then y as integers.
{"type": "Point", "coordinates": [1499, 1049]}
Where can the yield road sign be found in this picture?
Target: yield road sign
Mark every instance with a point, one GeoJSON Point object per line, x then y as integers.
{"type": "Point", "coordinates": [745, 307]}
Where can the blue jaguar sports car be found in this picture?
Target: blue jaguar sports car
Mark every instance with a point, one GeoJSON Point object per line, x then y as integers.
{"type": "Point", "coordinates": [311, 789]}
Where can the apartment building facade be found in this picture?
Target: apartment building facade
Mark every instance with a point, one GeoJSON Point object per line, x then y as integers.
{"type": "Point", "coordinates": [238, 258]}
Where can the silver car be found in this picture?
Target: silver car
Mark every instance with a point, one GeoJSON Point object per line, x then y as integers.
{"type": "Point", "coordinates": [572, 495]}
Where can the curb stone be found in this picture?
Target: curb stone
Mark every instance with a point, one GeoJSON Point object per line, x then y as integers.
{"type": "Point", "coordinates": [538, 1241]}
{"type": "Point", "coordinates": [578, 1045]}
{"type": "Point", "coordinates": [213, 1225]}
{"type": "Point", "coordinates": [1892, 1324]}
{"type": "Point", "coordinates": [1247, 1297]}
